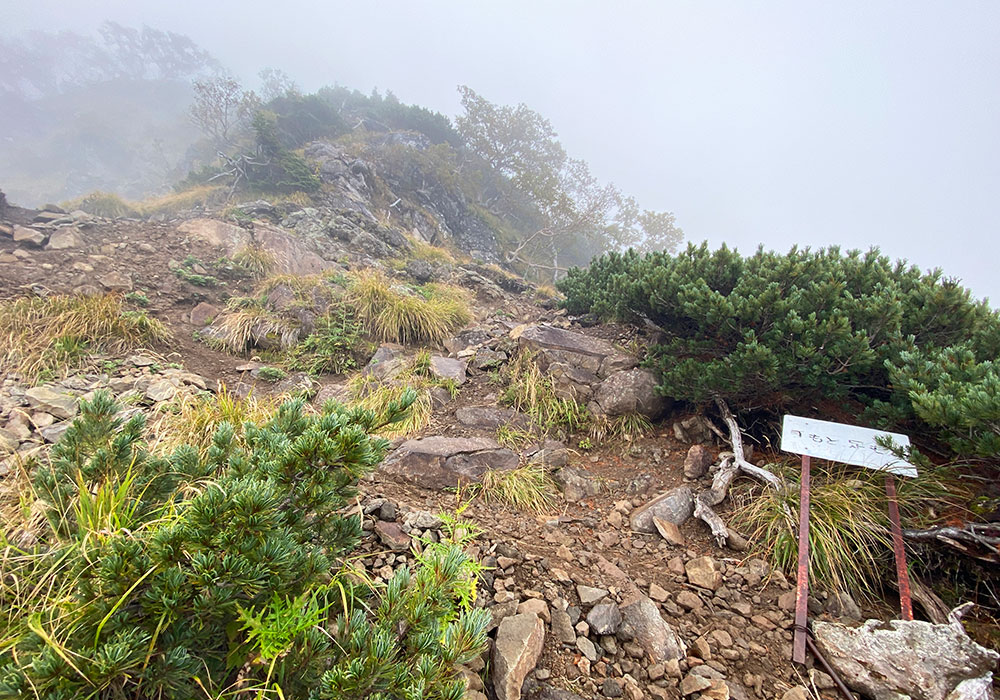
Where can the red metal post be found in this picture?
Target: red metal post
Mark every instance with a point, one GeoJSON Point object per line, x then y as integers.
{"type": "Point", "coordinates": [905, 600]}
{"type": "Point", "coordinates": [802, 582]}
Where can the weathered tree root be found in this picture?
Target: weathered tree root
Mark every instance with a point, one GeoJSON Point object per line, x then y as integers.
{"type": "Point", "coordinates": [731, 464]}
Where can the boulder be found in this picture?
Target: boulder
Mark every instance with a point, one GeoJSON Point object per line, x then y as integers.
{"type": "Point", "coordinates": [441, 462]}
{"type": "Point", "coordinates": [570, 382]}
{"type": "Point", "coordinates": [64, 238]}
{"type": "Point", "coordinates": [387, 361]}
{"type": "Point", "coordinates": [674, 506]}
{"type": "Point", "coordinates": [486, 359]}
{"type": "Point", "coordinates": [49, 400]}
{"type": "Point", "coordinates": [448, 368]}
{"type": "Point", "coordinates": [641, 618]}
{"type": "Point", "coordinates": [420, 270]}
{"type": "Point", "coordinates": [907, 659]}
{"type": "Point", "coordinates": [551, 453]}
{"type": "Point", "coordinates": [470, 338]}
{"type": "Point", "coordinates": [630, 391]}
{"type": "Point", "coordinates": [29, 236]}
{"type": "Point", "coordinates": [161, 390]}
{"type": "Point", "coordinates": [697, 461]}
{"type": "Point", "coordinates": [516, 651]}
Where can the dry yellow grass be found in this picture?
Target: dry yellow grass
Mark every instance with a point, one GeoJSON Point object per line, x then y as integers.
{"type": "Point", "coordinates": [110, 205]}
{"type": "Point", "coordinates": [400, 315]}
{"type": "Point", "coordinates": [49, 334]}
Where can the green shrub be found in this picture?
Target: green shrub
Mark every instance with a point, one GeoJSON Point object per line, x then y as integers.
{"type": "Point", "coordinates": [335, 345]}
{"type": "Point", "coordinates": [271, 374]}
{"type": "Point", "coordinates": [776, 331]}
{"type": "Point", "coordinates": [197, 576]}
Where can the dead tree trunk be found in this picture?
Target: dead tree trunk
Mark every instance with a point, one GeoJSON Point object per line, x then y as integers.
{"type": "Point", "coordinates": [731, 464]}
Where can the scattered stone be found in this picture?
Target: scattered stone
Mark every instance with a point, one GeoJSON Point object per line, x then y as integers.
{"type": "Point", "coordinates": [841, 605]}
{"type": "Point", "coordinates": [116, 282]}
{"type": "Point", "coordinates": [641, 618]}
{"type": "Point", "coordinates": [658, 593]}
{"type": "Point", "coordinates": [674, 506]}
{"type": "Point", "coordinates": [53, 433]}
{"type": "Point", "coordinates": [203, 314]}
{"type": "Point", "coordinates": [668, 531]}
{"type": "Point", "coordinates": [590, 595]}
{"type": "Point", "coordinates": [558, 345]}
{"type": "Point", "coordinates": [8, 442]}
{"type": "Point", "coordinates": [47, 399]}
{"type": "Point", "coordinates": [448, 368]}
{"type": "Point", "coordinates": [490, 417]}
{"type": "Point", "coordinates": [690, 600]}
{"type": "Point", "coordinates": [161, 390]}
{"type": "Point", "coordinates": [516, 651]}
{"type": "Point", "coordinates": [694, 684]}
{"type": "Point", "coordinates": [697, 462]}
{"type": "Point", "coordinates": [392, 536]}
{"type": "Point", "coordinates": [576, 484]}
{"type": "Point", "coordinates": [535, 606]}
{"type": "Point", "coordinates": [604, 618]}
{"type": "Point", "coordinates": [562, 627]}
{"type": "Point", "coordinates": [611, 688]}
{"type": "Point", "coordinates": [704, 573]}
{"type": "Point", "coordinates": [797, 692]}
{"type": "Point", "coordinates": [587, 648]}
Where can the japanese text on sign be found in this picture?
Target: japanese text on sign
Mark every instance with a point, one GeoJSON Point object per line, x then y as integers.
{"type": "Point", "coordinates": [847, 444]}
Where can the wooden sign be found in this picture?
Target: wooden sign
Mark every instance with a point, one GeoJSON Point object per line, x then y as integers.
{"type": "Point", "coordinates": [847, 444]}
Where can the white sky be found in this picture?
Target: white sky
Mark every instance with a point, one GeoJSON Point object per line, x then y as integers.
{"type": "Point", "coordinates": [774, 123]}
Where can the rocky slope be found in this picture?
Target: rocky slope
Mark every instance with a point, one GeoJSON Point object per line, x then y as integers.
{"type": "Point", "coordinates": [616, 592]}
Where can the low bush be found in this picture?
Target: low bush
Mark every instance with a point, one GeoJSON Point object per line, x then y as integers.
{"type": "Point", "coordinates": [214, 575]}
{"type": "Point", "coordinates": [773, 332]}
{"type": "Point", "coordinates": [50, 335]}
{"type": "Point", "coordinates": [335, 345]}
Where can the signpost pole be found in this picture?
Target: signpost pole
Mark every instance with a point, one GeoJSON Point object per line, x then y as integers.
{"type": "Point", "coordinates": [802, 582]}
{"type": "Point", "coordinates": [905, 602]}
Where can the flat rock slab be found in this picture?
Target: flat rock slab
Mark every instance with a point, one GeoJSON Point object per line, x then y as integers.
{"type": "Point", "coordinates": [899, 659]}
{"type": "Point", "coordinates": [449, 368]}
{"type": "Point", "coordinates": [29, 236]}
{"type": "Point", "coordinates": [515, 653]}
{"type": "Point", "coordinates": [491, 417]}
{"type": "Point", "coordinates": [49, 400]}
{"type": "Point", "coordinates": [641, 617]}
{"type": "Point", "coordinates": [64, 238]}
{"type": "Point", "coordinates": [557, 345]}
{"type": "Point", "coordinates": [441, 462]}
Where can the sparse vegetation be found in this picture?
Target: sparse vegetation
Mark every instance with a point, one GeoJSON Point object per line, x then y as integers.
{"type": "Point", "coordinates": [399, 314]}
{"type": "Point", "coordinates": [531, 392]}
{"type": "Point", "coordinates": [53, 334]}
{"type": "Point", "coordinates": [109, 205]}
{"type": "Point", "coordinates": [514, 438]}
{"type": "Point", "coordinates": [335, 345]}
{"type": "Point", "coordinates": [271, 374]}
{"type": "Point", "coordinates": [137, 298]}
{"type": "Point", "coordinates": [850, 547]}
{"type": "Point", "coordinates": [193, 419]}
{"type": "Point", "coordinates": [527, 487]}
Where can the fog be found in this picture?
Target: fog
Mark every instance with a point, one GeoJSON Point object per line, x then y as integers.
{"type": "Point", "coordinates": [782, 123]}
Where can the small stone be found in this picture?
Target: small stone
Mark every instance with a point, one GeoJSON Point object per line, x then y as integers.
{"type": "Point", "coordinates": [704, 573]}
{"type": "Point", "coordinates": [203, 314]}
{"type": "Point", "coordinates": [669, 531]}
{"type": "Point", "coordinates": [589, 594]}
{"type": "Point", "coordinates": [45, 398]}
{"type": "Point", "coordinates": [604, 618]}
{"type": "Point", "coordinates": [562, 628]}
{"type": "Point", "coordinates": [797, 692]}
{"type": "Point", "coordinates": [587, 648]}
{"type": "Point", "coordinates": [611, 688]}
{"type": "Point", "coordinates": [694, 684]}
{"type": "Point", "coordinates": [697, 462]}
{"type": "Point", "coordinates": [517, 648]}
{"type": "Point", "coordinates": [162, 390]}
{"type": "Point", "coordinates": [116, 281]}
{"type": "Point", "coordinates": [658, 593]}
{"type": "Point", "coordinates": [535, 606]}
{"type": "Point", "coordinates": [392, 536]}
{"type": "Point", "coordinates": [689, 600]}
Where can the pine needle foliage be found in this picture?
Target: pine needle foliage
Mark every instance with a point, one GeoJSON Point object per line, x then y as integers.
{"type": "Point", "coordinates": [55, 333]}
{"type": "Point", "coordinates": [202, 575]}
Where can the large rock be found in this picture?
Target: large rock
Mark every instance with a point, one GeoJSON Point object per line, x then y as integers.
{"type": "Point", "coordinates": [674, 506]}
{"type": "Point", "coordinates": [630, 391]}
{"type": "Point", "coordinates": [47, 399]}
{"type": "Point", "coordinates": [441, 462]}
{"type": "Point", "coordinates": [29, 236]}
{"type": "Point", "coordinates": [64, 238]}
{"type": "Point", "coordinates": [900, 659]}
{"type": "Point", "coordinates": [515, 653]}
{"type": "Point", "coordinates": [558, 345]}
{"type": "Point", "coordinates": [641, 618]}
{"type": "Point", "coordinates": [387, 361]}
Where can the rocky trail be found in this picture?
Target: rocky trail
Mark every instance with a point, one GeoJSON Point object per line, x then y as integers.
{"type": "Point", "coordinates": [616, 591]}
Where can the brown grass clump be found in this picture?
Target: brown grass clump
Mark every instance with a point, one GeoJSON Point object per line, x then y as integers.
{"type": "Point", "coordinates": [256, 260]}
{"type": "Point", "coordinates": [47, 335]}
{"type": "Point", "coordinates": [397, 314]}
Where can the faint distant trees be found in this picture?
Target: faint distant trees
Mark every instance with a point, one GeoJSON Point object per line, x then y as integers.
{"type": "Point", "coordinates": [222, 108]}
{"type": "Point", "coordinates": [582, 217]}
{"type": "Point", "coordinates": [275, 83]}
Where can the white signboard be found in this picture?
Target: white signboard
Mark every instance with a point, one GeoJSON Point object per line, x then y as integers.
{"type": "Point", "coordinates": [847, 444]}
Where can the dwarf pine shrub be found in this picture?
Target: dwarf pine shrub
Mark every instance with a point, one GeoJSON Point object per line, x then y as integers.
{"type": "Point", "coordinates": [775, 332]}
{"type": "Point", "coordinates": [214, 574]}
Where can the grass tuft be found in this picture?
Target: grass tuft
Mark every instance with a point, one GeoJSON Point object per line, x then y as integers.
{"type": "Point", "coordinates": [370, 394]}
{"type": "Point", "coordinates": [401, 315]}
{"type": "Point", "coordinates": [527, 487]}
{"type": "Point", "coordinates": [530, 391]}
{"type": "Point", "coordinates": [256, 260]}
{"type": "Point", "coordinates": [850, 546]}
{"type": "Point", "coordinates": [47, 335]}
